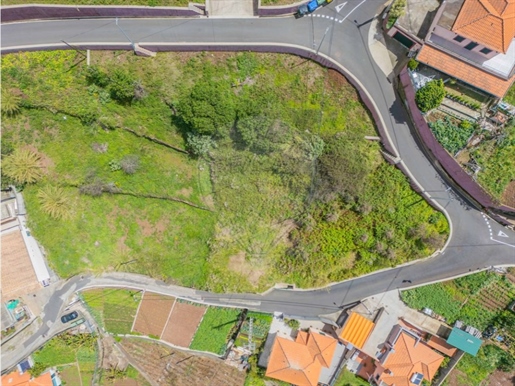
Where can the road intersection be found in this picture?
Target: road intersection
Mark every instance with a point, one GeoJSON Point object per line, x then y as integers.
{"type": "Point", "coordinates": [475, 242]}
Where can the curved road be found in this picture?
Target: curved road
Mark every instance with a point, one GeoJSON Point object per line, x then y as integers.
{"type": "Point", "coordinates": [474, 243]}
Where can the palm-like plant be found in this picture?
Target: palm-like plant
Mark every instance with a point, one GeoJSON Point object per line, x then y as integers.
{"type": "Point", "coordinates": [23, 166]}
{"type": "Point", "coordinates": [11, 102]}
{"type": "Point", "coordinates": [55, 201]}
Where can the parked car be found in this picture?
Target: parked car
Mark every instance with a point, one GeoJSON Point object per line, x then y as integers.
{"type": "Point", "coordinates": [489, 332]}
{"type": "Point", "coordinates": [310, 7]}
{"type": "Point", "coordinates": [69, 317]}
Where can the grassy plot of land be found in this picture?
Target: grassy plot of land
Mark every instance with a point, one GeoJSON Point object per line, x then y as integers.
{"type": "Point", "coordinates": [476, 299]}
{"type": "Point", "coordinates": [75, 355]}
{"type": "Point", "coordinates": [346, 378]}
{"type": "Point", "coordinates": [114, 377]}
{"type": "Point", "coordinates": [277, 176]}
{"type": "Point", "coordinates": [214, 330]}
{"type": "Point", "coordinates": [474, 371]}
{"type": "Point", "coordinates": [149, 3]}
{"type": "Point", "coordinates": [115, 309]}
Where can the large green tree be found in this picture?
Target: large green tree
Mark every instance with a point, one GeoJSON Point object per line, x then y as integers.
{"type": "Point", "coordinates": [430, 96]}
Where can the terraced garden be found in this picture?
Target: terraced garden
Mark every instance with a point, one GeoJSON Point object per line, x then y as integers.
{"type": "Point", "coordinates": [476, 299]}
{"type": "Point", "coordinates": [114, 309]}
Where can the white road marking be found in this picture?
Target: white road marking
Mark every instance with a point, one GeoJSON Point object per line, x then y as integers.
{"type": "Point", "coordinates": [332, 18]}
{"type": "Point", "coordinates": [353, 9]}
{"type": "Point", "coordinates": [340, 6]}
{"type": "Point", "coordinates": [502, 242]}
{"type": "Point", "coordinates": [502, 234]}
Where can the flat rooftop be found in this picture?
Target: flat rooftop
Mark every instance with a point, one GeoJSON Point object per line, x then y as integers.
{"type": "Point", "coordinates": [18, 276]}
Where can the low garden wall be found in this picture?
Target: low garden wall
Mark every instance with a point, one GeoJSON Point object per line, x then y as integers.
{"type": "Point", "coordinates": [39, 12]}
{"type": "Point", "coordinates": [468, 187]}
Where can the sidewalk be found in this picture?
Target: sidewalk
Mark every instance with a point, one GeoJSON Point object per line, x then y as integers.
{"type": "Point", "coordinates": [230, 8]}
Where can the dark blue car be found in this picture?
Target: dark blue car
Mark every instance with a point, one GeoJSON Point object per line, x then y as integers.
{"type": "Point", "coordinates": [69, 317]}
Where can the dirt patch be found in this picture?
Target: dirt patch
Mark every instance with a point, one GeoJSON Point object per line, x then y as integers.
{"type": "Point", "coordinates": [167, 366]}
{"type": "Point", "coordinates": [153, 314]}
{"type": "Point", "coordinates": [183, 323]}
{"type": "Point", "coordinates": [146, 227]}
{"type": "Point", "coordinates": [455, 378]}
{"type": "Point", "coordinates": [209, 201]}
{"type": "Point", "coordinates": [500, 378]}
{"type": "Point", "coordinates": [185, 192]}
{"type": "Point", "coordinates": [162, 225]}
{"type": "Point", "coordinates": [251, 270]}
{"type": "Point", "coordinates": [112, 358]}
{"type": "Point", "coordinates": [508, 196]}
{"type": "Point", "coordinates": [463, 157]}
{"type": "Point", "coordinates": [46, 162]}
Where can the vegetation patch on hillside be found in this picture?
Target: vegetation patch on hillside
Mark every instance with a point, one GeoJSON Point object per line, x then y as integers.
{"type": "Point", "coordinates": [227, 172]}
{"type": "Point", "coordinates": [148, 3]}
{"type": "Point", "coordinates": [214, 331]}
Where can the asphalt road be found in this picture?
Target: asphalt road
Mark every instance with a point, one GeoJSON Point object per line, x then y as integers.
{"type": "Point", "coordinates": [474, 243]}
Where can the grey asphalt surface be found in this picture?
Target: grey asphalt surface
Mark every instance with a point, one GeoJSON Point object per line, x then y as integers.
{"type": "Point", "coordinates": [470, 248]}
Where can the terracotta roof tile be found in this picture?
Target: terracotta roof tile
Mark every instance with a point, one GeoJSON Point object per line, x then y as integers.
{"type": "Point", "coordinates": [300, 362]}
{"type": "Point", "coordinates": [357, 329]}
{"type": "Point", "coordinates": [463, 71]}
{"type": "Point", "coordinates": [488, 22]}
{"type": "Point", "coordinates": [409, 357]}
{"type": "Point", "coordinates": [17, 379]}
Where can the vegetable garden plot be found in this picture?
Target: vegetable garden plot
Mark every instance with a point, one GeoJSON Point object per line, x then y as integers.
{"type": "Point", "coordinates": [153, 314]}
{"type": "Point", "coordinates": [183, 323]}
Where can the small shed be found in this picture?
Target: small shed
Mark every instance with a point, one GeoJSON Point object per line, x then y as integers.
{"type": "Point", "coordinates": [464, 341]}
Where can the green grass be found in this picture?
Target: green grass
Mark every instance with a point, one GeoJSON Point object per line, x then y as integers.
{"type": "Point", "coordinates": [346, 378]}
{"type": "Point", "coordinates": [115, 309]}
{"type": "Point", "coordinates": [150, 3]}
{"type": "Point", "coordinates": [74, 354]}
{"type": "Point", "coordinates": [213, 332]}
{"type": "Point", "coordinates": [266, 186]}
{"type": "Point", "coordinates": [464, 299]}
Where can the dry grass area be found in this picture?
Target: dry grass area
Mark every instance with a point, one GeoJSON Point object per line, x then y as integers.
{"type": "Point", "coordinates": [183, 323]}
{"type": "Point", "coordinates": [508, 197]}
{"type": "Point", "coordinates": [153, 314]}
{"type": "Point", "coordinates": [166, 366]}
{"type": "Point", "coordinates": [18, 276]}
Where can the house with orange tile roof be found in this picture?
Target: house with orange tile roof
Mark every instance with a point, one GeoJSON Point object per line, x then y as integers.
{"type": "Point", "coordinates": [50, 378]}
{"type": "Point", "coordinates": [406, 360]}
{"type": "Point", "coordinates": [474, 42]}
{"type": "Point", "coordinates": [302, 361]}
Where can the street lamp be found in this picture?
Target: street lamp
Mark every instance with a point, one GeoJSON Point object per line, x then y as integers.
{"type": "Point", "coordinates": [323, 37]}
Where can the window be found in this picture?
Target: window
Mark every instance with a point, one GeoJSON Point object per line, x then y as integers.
{"type": "Point", "coordinates": [485, 51]}
{"type": "Point", "coordinates": [471, 46]}
{"type": "Point", "coordinates": [459, 38]}
{"type": "Point", "coordinates": [416, 378]}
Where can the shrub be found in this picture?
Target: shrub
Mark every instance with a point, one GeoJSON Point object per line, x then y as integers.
{"type": "Point", "coordinates": [55, 201]}
{"type": "Point", "coordinates": [130, 164]}
{"type": "Point", "coordinates": [11, 101]}
{"type": "Point", "coordinates": [114, 165]}
{"type": "Point", "coordinates": [199, 145]}
{"type": "Point", "coordinates": [121, 86]}
{"type": "Point", "coordinates": [23, 166]}
{"type": "Point", "coordinates": [412, 64]}
{"type": "Point", "coordinates": [97, 77]}
{"type": "Point", "coordinates": [293, 323]}
{"type": "Point", "coordinates": [398, 9]}
{"type": "Point", "coordinates": [209, 108]}
{"type": "Point", "coordinates": [430, 96]}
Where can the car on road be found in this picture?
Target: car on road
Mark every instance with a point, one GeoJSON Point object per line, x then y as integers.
{"type": "Point", "coordinates": [69, 317]}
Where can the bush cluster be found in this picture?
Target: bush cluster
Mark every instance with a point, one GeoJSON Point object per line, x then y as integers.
{"type": "Point", "coordinates": [430, 96]}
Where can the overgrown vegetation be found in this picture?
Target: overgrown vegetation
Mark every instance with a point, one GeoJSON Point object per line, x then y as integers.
{"type": "Point", "coordinates": [495, 157]}
{"type": "Point", "coordinates": [70, 351]}
{"type": "Point", "coordinates": [226, 172]}
{"type": "Point", "coordinates": [477, 300]}
{"type": "Point", "coordinates": [451, 136]}
{"type": "Point", "coordinates": [114, 309]}
{"type": "Point", "coordinates": [431, 95]}
{"type": "Point", "coordinates": [474, 370]}
{"type": "Point", "coordinates": [214, 331]}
